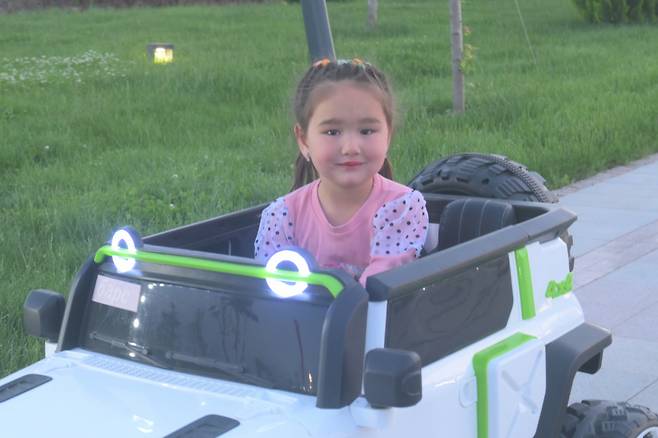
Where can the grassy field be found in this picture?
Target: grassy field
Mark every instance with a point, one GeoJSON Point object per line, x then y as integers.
{"type": "Point", "coordinates": [93, 137]}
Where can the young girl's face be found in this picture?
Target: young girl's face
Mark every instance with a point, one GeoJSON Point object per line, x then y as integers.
{"type": "Point", "coordinates": [348, 136]}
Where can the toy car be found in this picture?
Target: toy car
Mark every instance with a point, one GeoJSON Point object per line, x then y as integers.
{"type": "Point", "coordinates": [183, 334]}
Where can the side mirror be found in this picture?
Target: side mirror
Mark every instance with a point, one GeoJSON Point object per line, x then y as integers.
{"type": "Point", "coordinates": [43, 312]}
{"type": "Point", "coordinates": [392, 378]}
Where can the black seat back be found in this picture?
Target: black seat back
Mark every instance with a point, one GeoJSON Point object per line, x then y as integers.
{"type": "Point", "coordinates": [466, 219]}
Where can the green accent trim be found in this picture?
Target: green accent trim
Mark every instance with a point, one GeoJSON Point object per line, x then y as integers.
{"type": "Point", "coordinates": [334, 286]}
{"type": "Point", "coordinates": [481, 362]}
{"type": "Point", "coordinates": [525, 283]}
{"type": "Point", "coordinates": [558, 288]}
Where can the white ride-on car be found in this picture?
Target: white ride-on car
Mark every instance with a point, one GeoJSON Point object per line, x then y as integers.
{"type": "Point", "coordinates": [183, 334]}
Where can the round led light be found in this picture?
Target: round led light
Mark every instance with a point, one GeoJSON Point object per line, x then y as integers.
{"type": "Point", "coordinates": [123, 264]}
{"type": "Point", "coordinates": [281, 288]}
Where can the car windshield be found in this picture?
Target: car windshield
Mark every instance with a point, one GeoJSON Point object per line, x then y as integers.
{"type": "Point", "coordinates": [235, 330]}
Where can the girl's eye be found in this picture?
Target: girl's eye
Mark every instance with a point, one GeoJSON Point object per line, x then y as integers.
{"type": "Point", "coordinates": [332, 132]}
{"type": "Point", "coordinates": [367, 131]}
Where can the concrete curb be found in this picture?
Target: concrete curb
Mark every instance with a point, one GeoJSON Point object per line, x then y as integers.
{"type": "Point", "coordinates": [605, 175]}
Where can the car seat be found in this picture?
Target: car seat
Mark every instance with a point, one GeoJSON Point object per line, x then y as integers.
{"type": "Point", "coordinates": [466, 219]}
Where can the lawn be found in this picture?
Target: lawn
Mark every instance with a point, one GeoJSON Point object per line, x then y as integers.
{"type": "Point", "coordinates": [93, 137]}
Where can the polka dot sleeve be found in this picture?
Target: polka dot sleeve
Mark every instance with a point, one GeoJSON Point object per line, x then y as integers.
{"type": "Point", "coordinates": [400, 226]}
{"type": "Point", "coordinates": [275, 231]}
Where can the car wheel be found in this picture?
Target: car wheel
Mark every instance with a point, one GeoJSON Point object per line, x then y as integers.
{"type": "Point", "coordinates": [605, 419]}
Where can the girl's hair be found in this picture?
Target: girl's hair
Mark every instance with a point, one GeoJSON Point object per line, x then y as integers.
{"type": "Point", "coordinates": [326, 71]}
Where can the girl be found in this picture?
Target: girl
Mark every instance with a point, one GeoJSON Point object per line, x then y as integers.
{"type": "Point", "coordinates": [345, 209]}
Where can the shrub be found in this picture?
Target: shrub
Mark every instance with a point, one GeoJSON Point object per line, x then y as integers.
{"type": "Point", "coordinates": [618, 11]}
{"type": "Point", "coordinates": [650, 10]}
{"type": "Point", "coordinates": [594, 10]}
{"type": "Point", "coordinates": [299, 1]}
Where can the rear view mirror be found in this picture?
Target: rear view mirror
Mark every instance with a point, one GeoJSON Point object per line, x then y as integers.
{"type": "Point", "coordinates": [43, 311]}
{"type": "Point", "coordinates": [392, 378]}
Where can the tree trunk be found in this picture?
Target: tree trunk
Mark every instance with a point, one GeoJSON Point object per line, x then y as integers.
{"type": "Point", "coordinates": [457, 56]}
{"type": "Point", "coordinates": [372, 13]}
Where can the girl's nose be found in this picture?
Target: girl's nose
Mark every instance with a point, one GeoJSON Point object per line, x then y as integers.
{"type": "Point", "coordinates": [350, 145]}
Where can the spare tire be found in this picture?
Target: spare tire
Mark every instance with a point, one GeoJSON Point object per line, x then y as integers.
{"type": "Point", "coordinates": [486, 176]}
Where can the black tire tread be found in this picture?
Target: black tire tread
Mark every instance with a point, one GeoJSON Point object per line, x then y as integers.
{"type": "Point", "coordinates": [605, 419]}
{"type": "Point", "coordinates": [487, 174]}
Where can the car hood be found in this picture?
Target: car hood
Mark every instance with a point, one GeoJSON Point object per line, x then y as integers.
{"type": "Point", "coordinates": [90, 394]}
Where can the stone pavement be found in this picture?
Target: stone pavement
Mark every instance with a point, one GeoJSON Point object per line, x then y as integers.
{"type": "Point", "coordinates": [616, 278]}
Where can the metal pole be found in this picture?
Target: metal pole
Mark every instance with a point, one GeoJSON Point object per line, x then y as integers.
{"type": "Point", "coordinates": [318, 31]}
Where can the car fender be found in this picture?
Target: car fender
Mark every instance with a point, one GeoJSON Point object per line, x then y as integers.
{"type": "Point", "coordinates": [581, 349]}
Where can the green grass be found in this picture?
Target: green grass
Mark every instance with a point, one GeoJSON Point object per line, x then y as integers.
{"type": "Point", "coordinates": [161, 146]}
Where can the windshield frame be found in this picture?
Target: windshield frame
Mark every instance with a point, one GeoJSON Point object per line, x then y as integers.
{"type": "Point", "coordinates": [342, 340]}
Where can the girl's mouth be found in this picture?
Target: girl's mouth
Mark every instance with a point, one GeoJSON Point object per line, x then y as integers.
{"type": "Point", "coordinates": [350, 164]}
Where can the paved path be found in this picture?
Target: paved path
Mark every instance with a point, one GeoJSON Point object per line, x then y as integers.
{"type": "Point", "coordinates": [616, 278]}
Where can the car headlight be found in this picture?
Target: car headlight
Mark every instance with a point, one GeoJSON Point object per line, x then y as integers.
{"type": "Point", "coordinates": [128, 239]}
{"type": "Point", "coordinates": [282, 288]}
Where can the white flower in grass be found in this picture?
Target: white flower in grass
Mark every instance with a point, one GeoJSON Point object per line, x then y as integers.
{"type": "Point", "coordinates": [42, 69]}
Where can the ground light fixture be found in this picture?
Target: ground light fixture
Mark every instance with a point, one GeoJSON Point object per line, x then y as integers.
{"type": "Point", "coordinates": [160, 53]}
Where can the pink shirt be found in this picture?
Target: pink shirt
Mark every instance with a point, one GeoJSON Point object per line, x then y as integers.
{"type": "Point", "coordinates": [387, 231]}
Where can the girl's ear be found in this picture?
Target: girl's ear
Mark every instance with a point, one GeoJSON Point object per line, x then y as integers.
{"type": "Point", "coordinates": [300, 136]}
